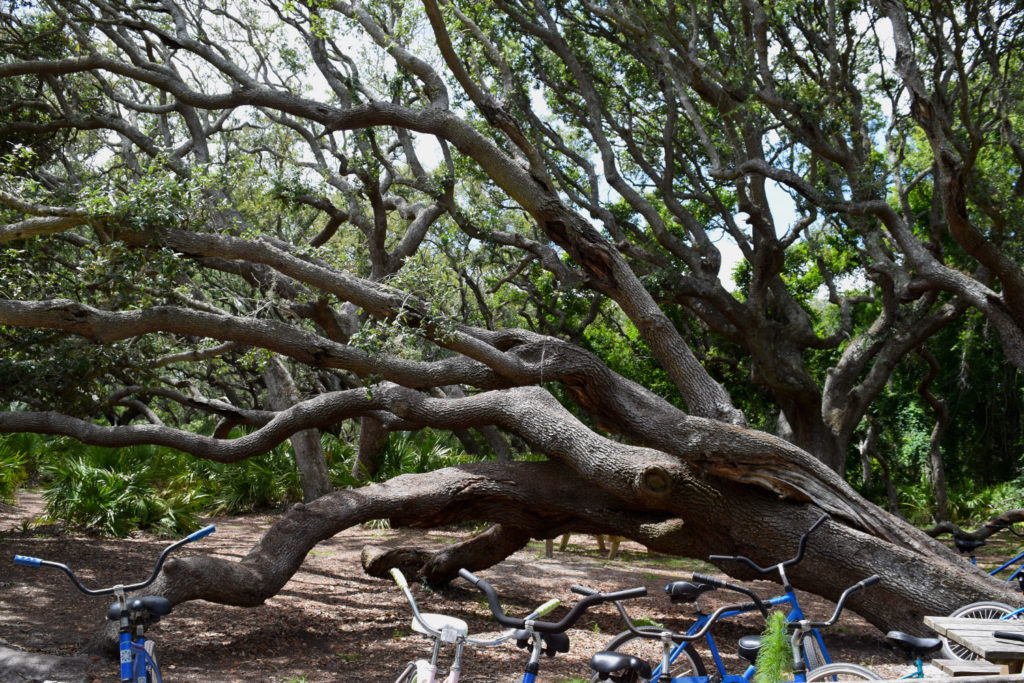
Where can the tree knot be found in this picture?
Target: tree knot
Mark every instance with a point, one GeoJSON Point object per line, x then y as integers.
{"type": "Point", "coordinates": [656, 481]}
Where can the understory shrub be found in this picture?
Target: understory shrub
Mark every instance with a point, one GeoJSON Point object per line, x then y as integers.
{"type": "Point", "coordinates": [115, 491]}
{"type": "Point", "coordinates": [12, 471]}
{"type": "Point", "coordinates": [266, 481]}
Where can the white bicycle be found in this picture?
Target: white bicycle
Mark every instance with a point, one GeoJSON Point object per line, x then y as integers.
{"type": "Point", "coordinates": [444, 629]}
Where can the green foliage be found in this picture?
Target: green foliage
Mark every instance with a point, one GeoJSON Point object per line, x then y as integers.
{"type": "Point", "coordinates": [775, 658]}
{"type": "Point", "coordinates": [116, 491]}
{"type": "Point", "coordinates": [970, 504]}
{"type": "Point", "coordinates": [267, 481]}
{"type": "Point", "coordinates": [983, 444]}
{"type": "Point", "coordinates": [418, 452]}
{"type": "Point", "coordinates": [12, 471]}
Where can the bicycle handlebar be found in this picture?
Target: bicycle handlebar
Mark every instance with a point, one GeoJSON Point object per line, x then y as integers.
{"type": "Point", "coordinates": [718, 613]}
{"type": "Point", "coordinates": [860, 585]}
{"type": "Point", "coordinates": [545, 626]}
{"type": "Point", "coordinates": [718, 583]}
{"type": "Point", "coordinates": [400, 579]}
{"type": "Point", "coordinates": [788, 563]}
{"type": "Point", "coordinates": [27, 561]}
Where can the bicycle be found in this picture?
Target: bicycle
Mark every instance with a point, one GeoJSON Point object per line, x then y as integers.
{"type": "Point", "coordinates": [685, 660]}
{"type": "Point", "coordinates": [542, 637]}
{"type": "Point", "coordinates": [986, 609]}
{"type": "Point", "coordinates": [137, 656]}
{"type": "Point", "coordinates": [684, 663]}
{"type": "Point", "coordinates": [625, 668]}
{"type": "Point", "coordinates": [967, 547]}
{"type": "Point", "coordinates": [444, 629]}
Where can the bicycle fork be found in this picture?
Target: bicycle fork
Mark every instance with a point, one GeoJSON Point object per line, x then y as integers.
{"type": "Point", "coordinates": [426, 672]}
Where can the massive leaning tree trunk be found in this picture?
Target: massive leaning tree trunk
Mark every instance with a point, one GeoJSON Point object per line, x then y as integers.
{"type": "Point", "coordinates": [701, 487]}
{"type": "Point", "coordinates": [689, 124]}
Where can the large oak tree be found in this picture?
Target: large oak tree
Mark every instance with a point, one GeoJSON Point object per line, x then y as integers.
{"type": "Point", "coordinates": [427, 208]}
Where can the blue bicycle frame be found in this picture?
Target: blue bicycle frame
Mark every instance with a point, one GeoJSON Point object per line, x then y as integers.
{"type": "Point", "coordinates": [788, 598]}
{"type": "Point", "coordinates": [795, 614]}
{"type": "Point", "coordinates": [135, 660]}
{"type": "Point", "coordinates": [546, 637]}
{"type": "Point", "coordinates": [1010, 563]}
{"type": "Point", "coordinates": [612, 662]}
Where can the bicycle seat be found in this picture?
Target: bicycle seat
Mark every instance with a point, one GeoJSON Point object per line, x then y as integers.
{"type": "Point", "coordinates": [553, 642]}
{"type": "Point", "coordinates": [749, 647]}
{"type": "Point", "coordinates": [148, 609]}
{"type": "Point", "coordinates": [607, 663]}
{"type": "Point", "coordinates": [967, 546]}
{"type": "Point", "coordinates": [439, 622]}
{"type": "Point", "coordinates": [921, 646]}
{"type": "Point", "coordinates": [686, 591]}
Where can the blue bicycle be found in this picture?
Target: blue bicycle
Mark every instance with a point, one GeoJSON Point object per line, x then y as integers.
{"type": "Point", "coordinates": [685, 661]}
{"type": "Point", "coordinates": [967, 547]}
{"type": "Point", "coordinates": [622, 667]}
{"type": "Point", "coordinates": [137, 655]}
{"type": "Point", "coordinates": [985, 609]}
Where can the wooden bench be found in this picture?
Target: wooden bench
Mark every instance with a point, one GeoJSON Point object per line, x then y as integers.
{"type": "Point", "coordinates": [959, 667]}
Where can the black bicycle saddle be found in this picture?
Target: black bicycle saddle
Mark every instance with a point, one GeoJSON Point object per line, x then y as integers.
{"type": "Point", "coordinates": [151, 607]}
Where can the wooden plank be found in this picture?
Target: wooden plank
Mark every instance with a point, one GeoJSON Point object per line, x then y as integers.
{"type": "Point", "coordinates": [960, 667]}
{"type": "Point", "coordinates": [976, 635]}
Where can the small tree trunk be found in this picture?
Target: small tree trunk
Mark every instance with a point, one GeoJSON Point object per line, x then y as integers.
{"type": "Point", "coordinates": [373, 437]}
{"type": "Point", "coordinates": [309, 455]}
{"type": "Point", "coordinates": [868, 449]}
{"type": "Point", "coordinates": [892, 495]}
{"type": "Point", "coordinates": [941, 410]}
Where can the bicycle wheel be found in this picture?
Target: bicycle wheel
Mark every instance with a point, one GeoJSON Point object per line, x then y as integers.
{"type": "Point", "coordinates": [975, 610]}
{"type": "Point", "coordinates": [688, 663]}
{"type": "Point", "coordinates": [813, 656]}
{"type": "Point", "coordinates": [842, 671]}
{"type": "Point", "coordinates": [409, 675]}
{"type": "Point", "coordinates": [152, 668]}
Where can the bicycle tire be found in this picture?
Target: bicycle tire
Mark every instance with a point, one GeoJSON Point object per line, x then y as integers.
{"type": "Point", "coordinates": [688, 663]}
{"type": "Point", "coordinates": [842, 671]}
{"type": "Point", "coordinates": [976, 610]}
{"type": "Point", "coordinates": [152, 669]}
{"type": "Point", "coordinates": [813, 656]}
{"type": "Point", "coordinates": [410, 675]}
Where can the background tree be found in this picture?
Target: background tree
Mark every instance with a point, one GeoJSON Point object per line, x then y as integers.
{"type": "Point", "coordinates": [460, 216]}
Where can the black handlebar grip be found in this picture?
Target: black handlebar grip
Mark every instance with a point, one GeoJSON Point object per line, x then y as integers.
{"type": "Point", "coordinates": [581, 590]}
{"type": "Point", "coordinates": [1008, 635]}
{"type": "Point", "coordinates": [627, 594]}
{"type": "Point", "coordinates": [870, 581]}
{"type": "Point", "coordinates": [709, 580]}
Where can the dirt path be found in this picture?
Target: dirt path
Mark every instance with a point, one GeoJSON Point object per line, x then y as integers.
{"type": "Point", "coordinates": [332, 622]}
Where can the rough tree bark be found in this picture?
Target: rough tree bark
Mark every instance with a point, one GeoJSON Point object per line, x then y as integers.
{"type": "Point", "coordinates": [309, 454]}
